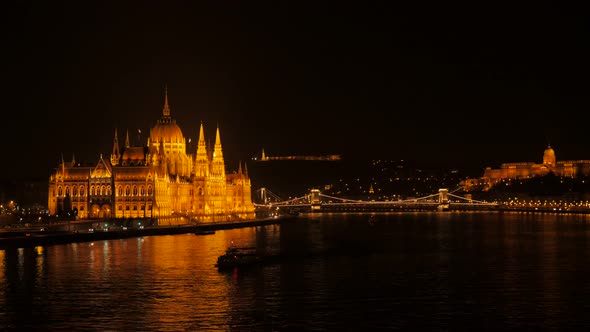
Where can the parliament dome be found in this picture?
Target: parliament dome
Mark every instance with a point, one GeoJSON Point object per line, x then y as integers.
{"type": "Point", "coordinates": [166, 130]}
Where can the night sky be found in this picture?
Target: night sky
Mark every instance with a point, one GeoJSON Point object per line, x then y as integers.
{"type": "Point", "coordinates": [452, 86]}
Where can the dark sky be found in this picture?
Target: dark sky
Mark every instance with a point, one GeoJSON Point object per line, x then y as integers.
{"type": "Point", "coordinates": [456, 86]}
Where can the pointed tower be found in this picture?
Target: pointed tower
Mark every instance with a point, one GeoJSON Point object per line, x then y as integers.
{"type": "Point", "coordinates": [217, 164]}
{"type": "Point", "coordinates": [218, 200]}
{"type": "Point", "coordinates": [116, 153]}
{"type": "Point", "coordinates": [63, 165]}
{"type": "Point", "coordinates": [127, 144]}
{"type": "Point", "coordinates": [202, 157]}
{"type": "Point", "coordinates": [245, 198]}
{"type": "Point", "coordinates": [166, 110]}
{"type": "Point", "coordinates": [73, 160]}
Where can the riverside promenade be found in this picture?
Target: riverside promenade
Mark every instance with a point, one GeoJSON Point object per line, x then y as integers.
{"type": "Point", "coordinates": [28, 238]}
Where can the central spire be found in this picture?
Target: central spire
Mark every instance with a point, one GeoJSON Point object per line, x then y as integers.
{"type": "Point", "coordinates": [166, 107]}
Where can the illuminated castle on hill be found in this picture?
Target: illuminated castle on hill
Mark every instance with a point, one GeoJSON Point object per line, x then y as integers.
{"type": "Point", "coordinates": [523, 170]}
{"type": "Point", "coordinates": [157, 180]}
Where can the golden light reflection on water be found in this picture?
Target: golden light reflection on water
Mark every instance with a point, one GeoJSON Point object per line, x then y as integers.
{"type": "Point", "coordinates": [167, 277]}
{"type": "Point", "coordinates": [513, 265]}
{"type": "Point", "coordinates": [175, 273]}
{"type": "Point", "coordinates": [2, 264]}
{"type": "Point", "coordinates": [183, 275]}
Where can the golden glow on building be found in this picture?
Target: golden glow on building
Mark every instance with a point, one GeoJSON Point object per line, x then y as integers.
{"type": "Point", "coordinates": [158, 179]}
{"type": "Point", "coordinates": [523, 170]}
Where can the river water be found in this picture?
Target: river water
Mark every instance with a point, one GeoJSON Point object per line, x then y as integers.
{"type": "Point", "coordinates": [437, 271]}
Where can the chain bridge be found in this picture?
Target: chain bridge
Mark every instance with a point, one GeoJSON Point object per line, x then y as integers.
{"type": "Point", "coordinates": [315, 201]}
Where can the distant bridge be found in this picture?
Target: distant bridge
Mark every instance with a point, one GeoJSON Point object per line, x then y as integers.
{"type": "Point", "coordinates": [315, 201]}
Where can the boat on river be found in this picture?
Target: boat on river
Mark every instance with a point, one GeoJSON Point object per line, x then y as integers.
{"type": "Point", "coordinates": [249, 257]}
{"type": "Point", "coordinates": [236, 257]}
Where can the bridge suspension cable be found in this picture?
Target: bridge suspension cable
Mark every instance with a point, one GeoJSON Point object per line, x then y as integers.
{"type": "Point", "coordinates": [266, 195]}
{"type": "Point", "coordinates": [424, 197]}
{"type": "Point", "coordinates": [342, 199]}
{"type": "Point", "coordinates": [296, 199]}
{"type": "Point", "coordinates": [456, 189]}
{"type": "Point", "coordinates": [467, 199]}
{"type": "Point", "coordinates": [307, 199]}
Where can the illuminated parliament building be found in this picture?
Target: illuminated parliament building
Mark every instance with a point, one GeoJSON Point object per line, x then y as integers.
{"type": "Point", "coordinates": [523, 170]}
{"type": "Point", "coordinates": [159, 179]}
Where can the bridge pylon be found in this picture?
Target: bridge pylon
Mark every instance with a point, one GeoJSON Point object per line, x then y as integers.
{"type": "Point", "coordinates": [314, 199]}
{"type": "Point", "coordinates": [443, 196]}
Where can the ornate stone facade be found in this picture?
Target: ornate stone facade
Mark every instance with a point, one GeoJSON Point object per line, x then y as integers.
{"type": "Point", "coordinates": [523, 170]}
{"type": "Point", "coordinates": [159, 179]}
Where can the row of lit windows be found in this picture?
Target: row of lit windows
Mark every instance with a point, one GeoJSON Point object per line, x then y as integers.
{"type": "Point", "coordinates": [127, 207]}
{"type": "Point", "coordinates": [81, 191]}
{"type": "Point", "coordinates": [134, 190]}
{"type": "Point", "coordinates": [104, 190]}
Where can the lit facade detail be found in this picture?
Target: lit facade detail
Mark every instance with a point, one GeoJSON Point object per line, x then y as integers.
{"type": "Point", "coordinates": [156, 180]}
{"type": "Point", "coordinates": [523, 170]}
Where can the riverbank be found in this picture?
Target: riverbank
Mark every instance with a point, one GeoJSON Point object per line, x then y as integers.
{"type": "Point", "coordinates": [24, 239]}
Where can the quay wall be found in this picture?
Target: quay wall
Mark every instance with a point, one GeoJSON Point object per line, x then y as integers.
{"type": "Point", "coordinates": [24, 238]}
